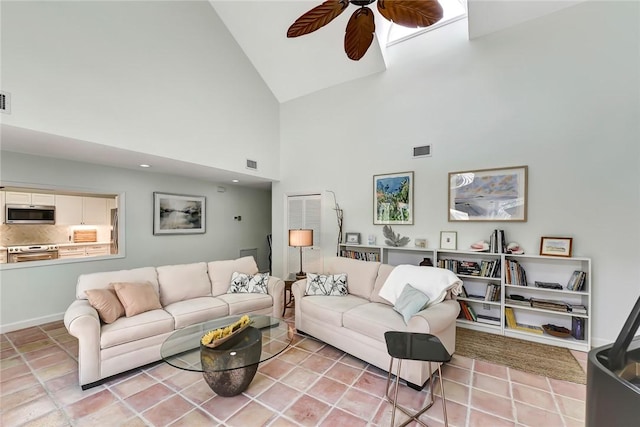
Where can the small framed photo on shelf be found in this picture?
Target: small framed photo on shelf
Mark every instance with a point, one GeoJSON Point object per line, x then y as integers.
{"type": "Point", "coordinates": [448, 240]}
{"type": "Point", "coordinates": [556, 246]}
{"type": "Point", "coordinates": [420, 243]}
{"type": "Point", "coordinates": [353, 238]}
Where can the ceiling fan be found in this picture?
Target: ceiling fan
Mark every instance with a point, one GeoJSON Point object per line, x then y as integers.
{"type": "Point", "coordinates": [361, 26]}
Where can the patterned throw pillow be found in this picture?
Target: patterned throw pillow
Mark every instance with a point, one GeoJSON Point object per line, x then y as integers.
{"type": "Point", "coordinates": [330, 284]}
{"type": "Point", "coordinates": [247, 284]}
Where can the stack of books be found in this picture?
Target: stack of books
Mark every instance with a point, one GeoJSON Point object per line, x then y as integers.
{"type": "Point", "coordinates": [576, 282]}
{"type": "Point", "coordinates": [547, 304]}
{"type": "Point", "coordinates": [514, 273]}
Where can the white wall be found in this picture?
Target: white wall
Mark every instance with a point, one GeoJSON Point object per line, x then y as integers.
{"type": "Point", "coordinates": [158, 77]}
{"type": "Point", "coordinates": [560, 94]}
{"type": "Point", "coordinates": [34, 295]}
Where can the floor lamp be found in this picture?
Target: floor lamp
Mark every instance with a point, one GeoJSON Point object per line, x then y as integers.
{"type": "Point", "coordinates": [301, 239]}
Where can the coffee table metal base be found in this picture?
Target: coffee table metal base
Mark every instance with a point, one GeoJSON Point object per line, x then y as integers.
{"type": "Point", "coordinates": [218, 363]}
{"type": "Point", "coordinates": [230, 383]}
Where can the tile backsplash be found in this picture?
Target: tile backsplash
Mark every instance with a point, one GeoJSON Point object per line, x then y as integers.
{"type": "Point", "coordinates": [26, 234]}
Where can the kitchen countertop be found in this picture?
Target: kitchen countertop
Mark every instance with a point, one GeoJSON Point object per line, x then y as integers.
{"type": "Point", "coordinates": [67, 245]}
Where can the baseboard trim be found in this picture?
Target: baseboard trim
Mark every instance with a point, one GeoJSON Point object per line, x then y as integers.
{"type": "Point", "coordinates": [10, 327]}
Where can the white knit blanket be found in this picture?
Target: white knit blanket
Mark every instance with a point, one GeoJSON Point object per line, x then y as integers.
{"type": "Point", "coordinates": [432, 281]}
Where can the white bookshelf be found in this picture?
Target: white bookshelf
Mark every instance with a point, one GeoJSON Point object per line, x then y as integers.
{"type": "Point", "coordinates": [538, 268]}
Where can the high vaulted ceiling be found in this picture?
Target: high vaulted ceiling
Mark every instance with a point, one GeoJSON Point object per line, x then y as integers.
{"type": "Point", "coordinates": [291, 68]}
{"type": "Point", "coordinates": [300, 66]}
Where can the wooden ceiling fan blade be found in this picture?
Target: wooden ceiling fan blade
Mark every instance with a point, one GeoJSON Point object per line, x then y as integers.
{"type": "Point", "coordinates": [317, 17]}
{"type": "Point", "coordinates": [359, 33]}
{"type": "Point", "coordinates": [411, 13]}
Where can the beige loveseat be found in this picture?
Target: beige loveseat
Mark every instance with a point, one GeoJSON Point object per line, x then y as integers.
{"type": "Point", "coordinates": [356, 323]}
{"type": "Point", "coordinates": [188, 294]}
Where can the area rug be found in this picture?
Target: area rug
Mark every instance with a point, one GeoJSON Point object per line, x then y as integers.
{"type": "Point", "coordinates": [539, 359]}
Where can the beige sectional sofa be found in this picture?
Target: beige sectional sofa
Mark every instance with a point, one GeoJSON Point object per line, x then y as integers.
{"type": "Point", "coordinates": [356, 323]}
{"type": "Point", "coordinates": [188, 294]}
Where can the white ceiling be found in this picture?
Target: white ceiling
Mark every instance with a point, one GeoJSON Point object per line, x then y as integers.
{"type": "Point", "coordinates": [291, 68]}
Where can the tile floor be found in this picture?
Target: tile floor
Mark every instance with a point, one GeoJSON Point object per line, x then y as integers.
{"type": "Point", "coordinates": [311, 384]}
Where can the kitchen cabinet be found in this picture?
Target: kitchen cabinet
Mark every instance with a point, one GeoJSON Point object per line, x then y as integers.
{"type": "Point", "coordinates": [77, 210]}
{"type": "Point", "coordinates": [21, 198]}
{"type": "Point", "coordinates": [82, 251]}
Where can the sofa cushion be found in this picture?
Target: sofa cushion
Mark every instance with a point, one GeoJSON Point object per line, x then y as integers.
{"type": "Point", "coordinates": [196, 310]}
{"type": "Point", "coordinates": [373, 320]}
{"type": "Point", "coordinates": [220, 272]}
{"type": "Point", "coordinates": [183, 282]}
{"type": "Point", "coordinates": [410, 302]}
{"type": "Point", "coordinates": [244, 303]}
{"type": "Point", "coordinates": [104, 279]}
{"type": "Point", "coordinates": [362, 274]}
{"type": "Point", "coordinates": [383, 273]}
{"type": "Point", "coordinates": [329, 309]}
{"type": "Point", "coordinates": [128, 329]}
{"type": "Point", "coordinates": [137, 298]}
{"type": "Point", "coordinates": [106, 303]}
{"type": "Point", "coordinates": [326, 284]}
{"type": "Point", "coordinates": [242, 283]}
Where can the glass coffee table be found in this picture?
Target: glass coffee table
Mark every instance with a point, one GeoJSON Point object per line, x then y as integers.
{"type": "Point", "coordinates": [229, 368]}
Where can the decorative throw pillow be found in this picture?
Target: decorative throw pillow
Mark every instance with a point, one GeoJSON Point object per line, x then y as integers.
{"type": "Point", "coordinates": [242, 283]}
{"type": "Point", "coordinates": [106, 303]}
{"type": "Point", "coordinates": [137, 297]}
{"type": "Point", "coordinates": [329, 284]}
{"type": "Point", "coordinates": [410, 302]}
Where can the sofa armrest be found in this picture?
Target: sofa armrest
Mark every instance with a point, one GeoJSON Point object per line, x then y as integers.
{"type": "Point", "coordinates": [275, 288]}
{"type": "Point", "coordinates": [435, 318]}
{"type": "Point", "coordinates": [82, 321]}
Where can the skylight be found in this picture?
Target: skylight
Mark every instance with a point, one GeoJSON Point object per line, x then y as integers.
{"type": "Point", "coordinates": [453, 10]}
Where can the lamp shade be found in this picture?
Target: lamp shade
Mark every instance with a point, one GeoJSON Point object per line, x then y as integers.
{"type": "Point", "coordinates": [300, 238]}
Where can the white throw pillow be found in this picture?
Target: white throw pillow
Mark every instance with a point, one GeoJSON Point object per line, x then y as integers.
{"type": "Point", "coordinates": [327, 284]}
{"type": "Point", "coordinates": [242, 283]}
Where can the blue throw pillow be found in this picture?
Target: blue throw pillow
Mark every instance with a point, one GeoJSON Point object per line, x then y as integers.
{"type": "Point", "coordinates": [410, 302]}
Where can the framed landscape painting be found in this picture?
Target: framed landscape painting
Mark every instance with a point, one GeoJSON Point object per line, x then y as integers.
{"type": "Point", "coordinates": [488, 195]}
{"type": "Point", "coordinates": [393, 198]}
{"type": "Point", "coordinates": [178, 214]}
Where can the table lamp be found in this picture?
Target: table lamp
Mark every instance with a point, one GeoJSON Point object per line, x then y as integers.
{"type": "Point", "coordinates": [300, 239]}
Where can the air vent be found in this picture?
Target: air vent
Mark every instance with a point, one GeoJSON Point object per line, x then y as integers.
{"type": "Point", "coordinates": [5, 102]}
{"type": "Point", "coordinates": [252, 164]}
{"type": "Point", "coordinates": [422, 151]}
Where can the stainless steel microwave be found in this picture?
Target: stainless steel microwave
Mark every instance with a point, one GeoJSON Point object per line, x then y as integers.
{"type": "Point", "coordinates": [30, 214]}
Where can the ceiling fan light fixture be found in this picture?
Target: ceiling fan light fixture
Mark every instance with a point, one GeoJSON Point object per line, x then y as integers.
{"type": "Point", "coordinates": [361, 26]}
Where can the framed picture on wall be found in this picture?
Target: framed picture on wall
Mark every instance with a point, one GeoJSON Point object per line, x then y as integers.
{"type": "Point", "coordinates": [488, 194]}
{"type": "Point", "coordinates": [178, 214]}
{"type": "Point", "coordinates": [556, 246]}
{"type": "Point", "coordinates": [393, 198]}
{"type": "Point", "coordinates": [448, 240]}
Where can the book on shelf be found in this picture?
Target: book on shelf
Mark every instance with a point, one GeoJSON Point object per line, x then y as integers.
{"type": "Point", "coordinates": [547, 285]}
{"type": "Point", "coordinates": [510, 317]}
{"type": "Point", "coordinates": [463, 292]}
{"type": "Point", "coordinates": [472, 312]}
{"type": "Point", "coordinates": [576, 281]}
{"type": "Point", "coordinates": [577, 308]}
{"type": "Point", "coordinates": [514, 273]}
{"type": "Point", "coordinates": [490, 320]}
{"type": "Point", "coordinates": [529, 328]}
{"type": "Point", "coordinates": [547, 304]}
{"type": "Point", "coordinates": [464, 309]}
{"type": "Point", "coordinates": [523, 302]}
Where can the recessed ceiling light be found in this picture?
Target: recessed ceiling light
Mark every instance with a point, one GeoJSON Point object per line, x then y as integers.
{"type": "Point", "coordinates": [145, 165]}
{"type": "Point", "coordinates": [235, 180]}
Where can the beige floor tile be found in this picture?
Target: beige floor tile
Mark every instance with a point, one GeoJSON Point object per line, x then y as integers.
{"type": "Point", "coordinates": [531, 416]}
{"type": "Point", "coordinates": [90, 404]}
{"type": "Point", "coordinates": [300, 378]}
{"type": "Point", "coordinates": [148, 397]}
{"type": "Point", "coordinates": [196, 417]}
{"type": "Point", "coordinates": [310, 345]}
{"type": "Point", "coordinates": [21, 397]}
{"type": "Point", "coordinates": [372, 384]}
{"type": "Point", "coordinates": [492, 404]}
{"type": "Point", "coordinates": [294, 355]}
{"type": "Point", "coordinates": [343, 373]}
{"type": "Point", "coordinates": [453, 391]}
{"type": "Point", "coordinates": [490, 369]}
{"type": "Point", "coordinates": [52, 419]}
{"type": "Point", "coordinates": [481, 419]}
{"type": "Point", "coordinates": [528, 379]}
{"type": "Point", "coordinates": [275, 368]}
{"type": "Point", "coordinates": [27, 412]}
{"type": "Point", "coordinates": [338, 417]}
{"type": "Point", "coordinates": [223, 407]}
{"type": "Point", "coordinates": [491, 384]}
{"type": "Point", "coordinates": [359, 403]}
{"type": "Point", "coordinates": [317, 363]}
{"type": "Point", "coordinates": [461, 361]}
{"type": "Point", "coordinates": [327, 390]}
{"type": "Point", "coordinates": [279, 396]}
{"type": "Point", "coordinates": [114, 414]}
{"type": "Point", "coordinates": [307, 411]}
{"type": "Point", "coordinates": [454, 373]}
{"type": "Point", "coordinates": [569, 389]}
{"type": "Point", "coordinates": [253, 414]}
{"type": "Point", "coordinates": [573, 408]}
{"type": "Point", "coordinates": [199, 392]}
{"type": "Point", "coordinates": [259, 384]}
{"type": "Point", "coordinates": [168, 411]}
{"type": "Point", "coordinates": [532, 396]}
{"type": "Point", "coordinates": [132, 385]}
